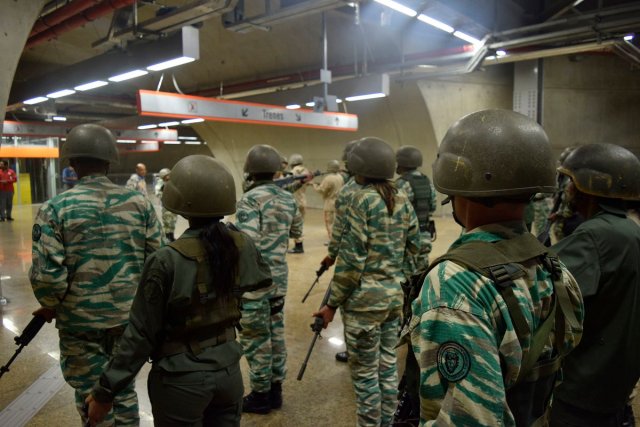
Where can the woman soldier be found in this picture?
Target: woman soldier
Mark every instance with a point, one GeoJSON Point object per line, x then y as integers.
{"type": "Point", "coordinates": [186, 308]}
{"type": "Point", "coordinates": [380, 242]}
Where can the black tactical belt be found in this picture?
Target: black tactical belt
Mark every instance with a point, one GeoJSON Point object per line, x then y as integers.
{"type": "Point", "coordinates": [171, 348]}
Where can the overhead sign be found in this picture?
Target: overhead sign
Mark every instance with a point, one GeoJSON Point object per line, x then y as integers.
{"type": "Point", "coordinates": [35, 129]}
{"type": "Point", "coordinates": [163, 104]}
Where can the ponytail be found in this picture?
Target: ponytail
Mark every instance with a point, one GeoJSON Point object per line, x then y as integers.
{"type": "Point", "coordinates": [387, 192]}
{"type": "Point", "coordinates": [223, 256]}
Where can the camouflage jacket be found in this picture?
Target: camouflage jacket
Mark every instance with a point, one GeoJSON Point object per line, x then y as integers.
{"type": "Point", "coordinates": [464, 339]}
{"type": "Point", "coordinates": [89, 247]}
{"type": "Point", "coordinates": [270, 215]}
{"type": "Point", "coordinates": [375, 249]}
{"type": "Point", "coordinates": [342, 202]}
{"type": "Point", "coordinates": [138, 183]}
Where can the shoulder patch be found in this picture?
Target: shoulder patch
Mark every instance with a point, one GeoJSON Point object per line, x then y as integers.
{"type": "Point", "coordinates": [36, 232]}
{"type": "Point", "coordinates": [453, 361]}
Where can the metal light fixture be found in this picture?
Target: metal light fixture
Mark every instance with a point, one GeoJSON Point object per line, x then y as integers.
{"type": "Point", "coordinates": [115, 66]}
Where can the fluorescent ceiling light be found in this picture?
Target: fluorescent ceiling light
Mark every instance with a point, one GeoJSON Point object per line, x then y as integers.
{"type": "Point", "coordinates": [398, 7]}
{"type": "Point", "coordinates": [500, 53]}
{"type": "Point", "coordinates": [292, 106]}
{"type": "Point", "coordinates": [188, 138]}
{"type": "Point", "coordinates": [126, 76]}
{"type": "Point", "coordinates": [61, 93]}
{"type": "Point", "coordinates": [466, 37]}
{"type": "Point", "coordinates": [338, 101]}
{"type": "Point", "coordinates": [435, 23]}
{"type": "Point", "coordinates": [142, 127]}
{"type": "Point", "coordinates": [92, 85]}
{"type": "Point", "coordinates": [36, 100]}
{"type": "Point", "coordinates": [172, 142]}
{"type": "Point", "coordinates": [367, 96]}
{"type": "Point", "coordinates": [627, 38]}
{"type": "Point", "coordinates": [167, 124]}
{"type": "Point", "coordinates": [59, 119]}
{"type": "Point", "coordinates": [193, 142]}
{"type": "Point", "coordinates": [188, 121]}
{"type": "Point", "coordinates": [126, 141]}
{"type": "Point", "coordinates": [148, 142]}
{"type": "Point", "coordinates": [171, 63]}
{"type": "Point", "coordinates": [310, 104]}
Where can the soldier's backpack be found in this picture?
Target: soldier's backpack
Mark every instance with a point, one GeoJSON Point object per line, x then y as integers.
{"type": "Point", "coordinates": [504, 262]}
{"type": "Point", "coordinates": [421, 187]}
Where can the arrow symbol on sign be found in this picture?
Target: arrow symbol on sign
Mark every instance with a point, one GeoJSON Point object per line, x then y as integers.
{"type": "Point", "coordinates": [245, 112]}
{"type": "Point", "coordinates": [298, 117]}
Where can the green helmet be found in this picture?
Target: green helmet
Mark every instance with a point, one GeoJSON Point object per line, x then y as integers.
{"type": "Point", "coordinates": [92, 141]}
{"type": "Point", "coordinates": [262, 159]}
{"type": "Point", "coordinates": [295, 160]}
{"type": "Point", "coordinates": [200, 186]}
{"type": "Point", "coordinates": [565, 153]}
{"type": "Point", "coordinates": [348, 148]}
{"type": "Point", "coordinates": [164, 172]}
{"type": "Point", "coordinates": [409, 157]}
{"type": "Point", "coordinates": [494, 153]}
{"type": "Point", "coordinates": [604, 170]}
{"type": "Point", "coordinates": [333, 166]}
{"type": "Point", "coordinates": [372, 158]}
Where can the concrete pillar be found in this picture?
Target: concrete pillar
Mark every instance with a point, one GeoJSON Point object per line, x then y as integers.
{"type": "Point", "coordinates": [16, 20]}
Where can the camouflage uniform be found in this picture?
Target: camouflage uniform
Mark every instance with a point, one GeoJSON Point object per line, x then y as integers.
{"type": "Point", "coordinates": [367, 286]}
{"type": "Point", "coordinates": [462, 313]}
{"type": "Point", "coordinates": [329, 188]}
{"type": "Point", "coordinates": [541, 211]}
{"type": "Point", "coordinates": [342, 203]}
{"type": "Point", "coordinates": [168, 218]}
{"type": "Point", "coordinates": [300, 196]}
{"type": "Point", "coordinates": [425, 237]}
{"type": "Point", "coordinates": [269, 215]}
{"type": "Point", "coordinates": [89, 247]}
{"type": "Point", "coordinates": [137, 183]}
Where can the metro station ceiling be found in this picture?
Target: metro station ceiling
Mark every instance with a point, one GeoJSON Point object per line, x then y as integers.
{"type": "Point", "coordinates": [268, 45]}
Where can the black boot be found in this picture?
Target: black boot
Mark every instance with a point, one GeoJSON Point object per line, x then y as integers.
{"type": "Point", "coordinates": [170, 237]}
{"type": "Point", "coordinates": [298, 249]}
{"type": "Point", "coordinates": [257, 403]}
{"type": "Point", "coordinates": [343, 356]}
{"type": "Point", "coordinates": [275, 395]}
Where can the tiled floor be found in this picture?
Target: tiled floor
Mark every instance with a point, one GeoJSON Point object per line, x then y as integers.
{"type": "Point", "coordinates": [323, 397]}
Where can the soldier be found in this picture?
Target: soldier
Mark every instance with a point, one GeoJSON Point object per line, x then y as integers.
{"type": "Point", "coordinates": [297, 168]}
{"type": "Point", "coordinates": [137, 180]}
{"type": "Point", "coordinates": [89, 247]}
{"type": "Point", "coordinates": [269, 215]}
{"type": "Point", "coordinates": [381, 235]}
{"type": "Point", "coordinates": [329, 188]}
{"type": "Point", "coordinates": [168, 217]}
{"type": "Point", "coordinates": [342, 200]}
{"type": "Point", "coordinates": [563, 219]}
{"type": "Point", "coordinates": [421, 193]}
{"type": "Point", "coordinates": [498, 311]}
{"type": "Point", "coordinates": [604, 255]}
{"type": "Point", "coordinates": [186, 307]}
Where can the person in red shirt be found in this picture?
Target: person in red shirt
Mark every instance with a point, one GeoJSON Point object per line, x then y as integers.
{"type": "Point", "coordinates": [7, 178]}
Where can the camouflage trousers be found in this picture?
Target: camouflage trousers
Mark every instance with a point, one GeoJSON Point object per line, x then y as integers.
{"type": "Point", "coordinates": [329, 220]}
{"type": "Point", "coordinates": [83, 357]}
{"type": "Point", "coordinates": [262, 339]}
{"type": "Point", "coordinates": [371, 338]}
{"type": "Point", "coordinates": [168, 221]}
